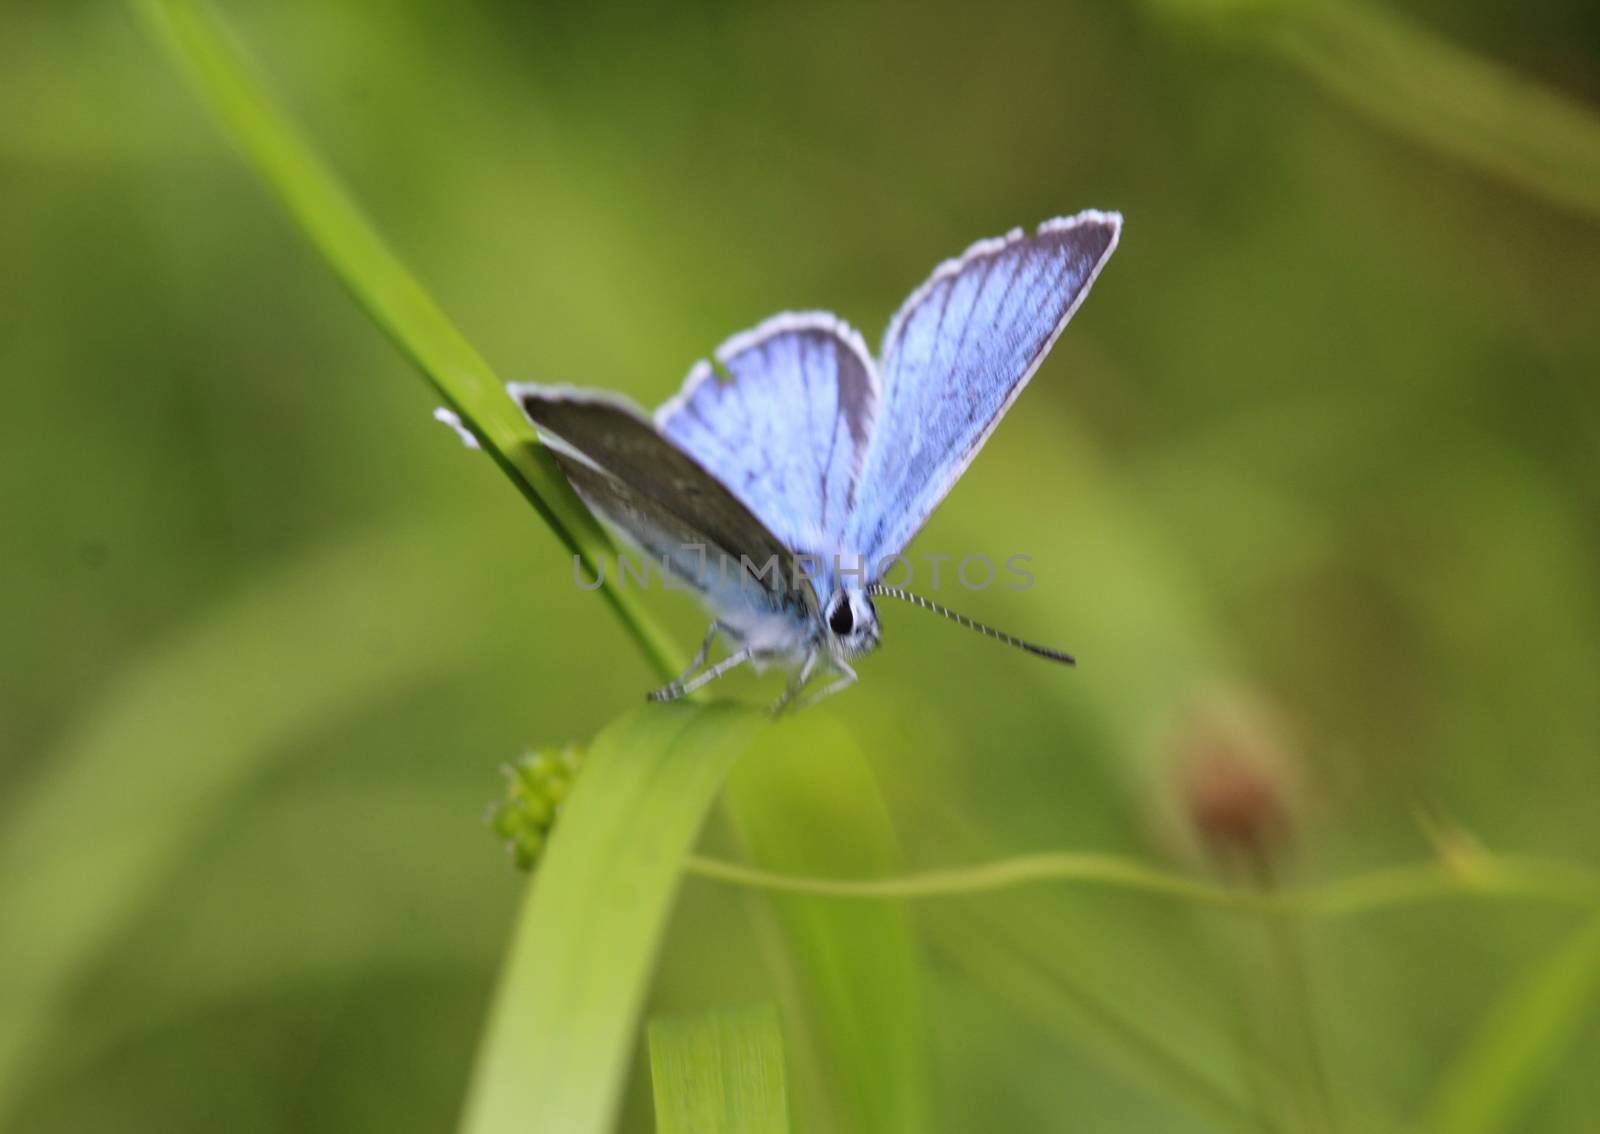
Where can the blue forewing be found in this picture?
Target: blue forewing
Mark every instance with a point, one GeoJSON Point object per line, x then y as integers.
{"type": "Point", "coordinates": [956, 356]}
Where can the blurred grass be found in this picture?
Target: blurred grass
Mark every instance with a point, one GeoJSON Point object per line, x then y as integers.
{"type": "Point", "coordinates": [1416, 82]}
{"type": "Point", "coordinates": [1186, 1072]}
{"type": "Point", "coordinates": [91, 847]}
{"type": "Point", "coordinates": [1521, 1041]}
{"type": "Point", "coordinates": [1326, 431]}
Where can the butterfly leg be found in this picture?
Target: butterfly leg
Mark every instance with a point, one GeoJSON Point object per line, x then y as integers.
{"type": "Point", "coordinates": [665, 692]}
{"type": "Point", "coordinates": [796, 684]}
{"type": "Point", "coordinates": [847, 678]}
{"type": "Point", "coordinates": [704, 651]}
{"type": "Point", "coordinates": [681, 688]}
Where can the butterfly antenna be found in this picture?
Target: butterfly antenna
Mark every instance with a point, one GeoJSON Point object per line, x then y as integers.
{"type": "Point", "coordinates": [971, 624]}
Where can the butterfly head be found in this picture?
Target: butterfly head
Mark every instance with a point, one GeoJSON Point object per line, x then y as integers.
{"type": "Point", "coordinates": [852, 623]}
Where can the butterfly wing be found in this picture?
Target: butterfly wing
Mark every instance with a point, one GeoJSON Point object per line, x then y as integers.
{"type": "Point", "coordinates": [638, 480]}
{"type": "Point", "coordinates": [956, 356]}
{"type": "Point", "coordinates": [788, 434]}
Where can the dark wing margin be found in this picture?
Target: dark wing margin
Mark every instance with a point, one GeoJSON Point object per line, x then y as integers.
{"type": "Point", "coordinates": [643, 484]}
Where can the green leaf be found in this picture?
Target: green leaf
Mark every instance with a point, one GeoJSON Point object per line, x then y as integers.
{"type": "Point", "coordinates": [387, 290]}
{"type": "Point", "coordinates": [1522, 1041]}
{"type": "Point", "coordinates": [556, 1051]}
{"type": "Point", "coordinates": [810, 804]}
{"type": "Point", "coordinates": [720, 1073]}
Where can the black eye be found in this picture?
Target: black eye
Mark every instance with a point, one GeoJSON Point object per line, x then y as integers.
{"type": "Point", "coordinates": [841, 620]}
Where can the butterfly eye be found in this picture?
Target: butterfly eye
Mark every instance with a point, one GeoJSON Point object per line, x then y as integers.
{"type": "Point", "coordinates": [841, 621]}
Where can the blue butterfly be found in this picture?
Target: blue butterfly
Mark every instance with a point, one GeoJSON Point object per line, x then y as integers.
{"type": "Point", "coordinates": [783, 480]}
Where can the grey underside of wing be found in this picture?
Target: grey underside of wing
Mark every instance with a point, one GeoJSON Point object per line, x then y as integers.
{"type": "Point", "coordinates": [789, 432]}
{"type": "Point", "coordinates": [666, 503]}
{"type": "Point", "coordinates": [956, 355]}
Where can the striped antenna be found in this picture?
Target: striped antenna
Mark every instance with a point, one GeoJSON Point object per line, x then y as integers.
{"type": "Point", "coordinates": [970, 624]}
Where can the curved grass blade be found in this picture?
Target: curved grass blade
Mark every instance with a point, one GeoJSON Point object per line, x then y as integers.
{"type": "Point", "coordinates": [387, 290]}
{"type": "Point", "coordinates": [720, 1073]}
{"type": "Point", "coordinates": [555, 1053]}
{"type": "Point", "coordinates": [810, 804]}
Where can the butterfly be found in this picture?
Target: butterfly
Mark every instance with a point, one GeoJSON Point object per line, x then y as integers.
{"type": "Point", "coordinates": [786, 477]}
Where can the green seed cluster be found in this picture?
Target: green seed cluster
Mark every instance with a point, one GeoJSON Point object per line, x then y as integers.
{"type": "Point", "coordinates": [536, 786]}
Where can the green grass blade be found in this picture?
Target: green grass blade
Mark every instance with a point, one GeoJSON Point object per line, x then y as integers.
{"type": "Point", "coordinates": [1522, 1041]}
{"type": "Point", "coordinates": [810, 804]}
{"type": "Point", "coordinates": [556, 1051]}
{"type": "Point", "coordinates": [720, 1073]}
{"type": "Point", "coordinates": [386, 290]}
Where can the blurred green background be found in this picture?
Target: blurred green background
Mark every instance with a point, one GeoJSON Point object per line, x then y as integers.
{"type": "Point", "coordinates": [1311, 486]}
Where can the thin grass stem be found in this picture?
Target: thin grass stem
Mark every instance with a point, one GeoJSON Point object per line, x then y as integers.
{"type": "Point", "coordinates": [1489, 877]}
